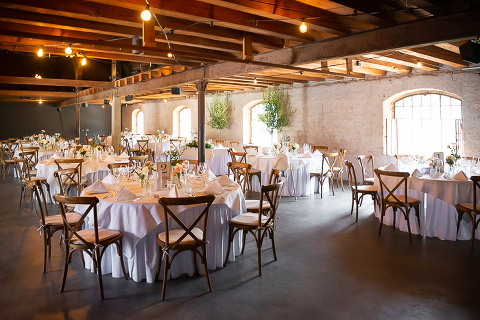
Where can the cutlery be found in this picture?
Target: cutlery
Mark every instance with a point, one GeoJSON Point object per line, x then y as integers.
{"type": "Point", "coordinates": [139, 198]}
{"type": "Point", "coordinates": [110, 195]}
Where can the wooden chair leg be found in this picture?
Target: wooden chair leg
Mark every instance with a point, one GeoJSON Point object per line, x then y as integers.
{"type": "Point", "coordinates": [98, 259]}
{"type": "Point", "coordinates": [204, 261]}
{"type": "Point", "coordinates": [230, 240]}
{"type": "Point", "coordinates": [165, 275]}
{"type": "Point", "coordinates": [259, 250]}
{"type": "Point", "coordinates": [460, 216]}
{"type": "Point", "coordinates": [65, 270]}
{"type": "Point", "coordinates": [272, 236]}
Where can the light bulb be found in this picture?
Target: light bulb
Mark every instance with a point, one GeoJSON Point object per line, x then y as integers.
{"type": "Point", "coordinates": [37, 76]}
{"type": "Point", "coordinates": [419, 64]}
{"type": "Point", "coordinates": [68, 50]}
{"type": "Point", "coordinates": [255, 80]}
{"type": "Point", "coordinates": [84, 61]}
{"type": "Point", "coordinates": [303, 27]}
{"type": "Point", "coordinates": [165, 100]}
{"type": "Point", "coordinates": [40, 101]}
{"type": "Point", "coordinates": [146, 14]}
{"type": "Point", "coordinates": [169, 55]}
{"type": "Point", "coordinates": [40, 52]}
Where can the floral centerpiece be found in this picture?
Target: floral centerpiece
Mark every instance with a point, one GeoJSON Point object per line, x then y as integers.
{"type": "Point", "coordinates": [56, 136]}
{"type": "Point", "coordinates": [83, 151]}
{"type": "Point", "coordinates": [175, 154]}
{"type": "Point", "coordinates": [194, 144]}
{"type": "Point", "coordinates": [293, 147]}
{"type": "Point", "coordinates": [276, 148]}
{"type": "Point", "coordinates": [454, 156]}
{"type": "Point", "coordinates": [177, 171]}
{"type": "Point", "coordinates": [145, 172]}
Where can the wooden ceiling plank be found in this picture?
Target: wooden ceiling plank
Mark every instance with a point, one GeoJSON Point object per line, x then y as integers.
{"type": "Point", "coordinates": [437, 54]}
{"type": "Point", "coordinates": [38, 94]}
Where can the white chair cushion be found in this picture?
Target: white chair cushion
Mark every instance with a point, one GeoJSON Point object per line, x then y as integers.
{"type": "Point", "coordinates": [175, 234]}
{"type": "Point", "coordinates": [248, 219]}
{"type": "Point", "coordinates": [89, 235]}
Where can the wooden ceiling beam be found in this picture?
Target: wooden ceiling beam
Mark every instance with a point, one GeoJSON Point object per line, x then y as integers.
{"type": "Point", "coordinates": [55, 82]}
{"type": "Point", "coordinates": [294, 11]}
{"type": "Point", "coordinates": [438, 55]}
{"type": "Point", "coordinates": [37, 94]}
{"type": "Point", "coordinates": [406, 60]}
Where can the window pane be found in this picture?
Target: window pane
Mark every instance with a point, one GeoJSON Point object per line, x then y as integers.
{"type": "Point", "coordinates": [446, 112]}
{"type": "Point", "coordinates": [456, 102]}
{"type": "Point", "coordinates": [426, 99]}
{"type": "Point", "coordinates": [445, 100]}
{"type": "Point", "coordinates": [399, 114]}
{"type": "Point", "coordinates": [407, 112]}
{"type": "Point", "coordinates": [435, 112]}
{"type": "Point", "coordinates": [426, 112]}
{"type": "Point", "coordinates": [186, 123]}
{"type": "Point", "coordinates": [407, 102]}
{"type": "Point", "coordinates": [457, 112]}
{"type": "Point", "coordinates": [399, 103]}
{"type": "Point", "coordinates": [417, 112]}
{"type": "Point", "coordinates": [435, 99]}
{"type": "Point", "coordinates": [417, 100]}
{"type": "Point", "coordinates": [260, 135]}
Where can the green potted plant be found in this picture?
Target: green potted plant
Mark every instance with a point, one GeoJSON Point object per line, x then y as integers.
{"type": "Point", "coordinates": [218, 113]}
{"type": "Point", "coordinates": [278, 113]}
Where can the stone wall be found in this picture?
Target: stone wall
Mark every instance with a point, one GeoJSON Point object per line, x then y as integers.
{"type": "Point", "coordinates": [339, 114]}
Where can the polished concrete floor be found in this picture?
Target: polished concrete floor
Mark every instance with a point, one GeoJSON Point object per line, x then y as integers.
{"type": "Point", "coordinates": [328, 267]}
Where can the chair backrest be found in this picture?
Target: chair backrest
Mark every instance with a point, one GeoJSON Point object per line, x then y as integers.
{"type": "Point", "coordinates": [66, 179]}
{"type": "Point", "coordinates": [31, 156]}
{"type": "Point", "coordinates": [341, 158]}
{"type": "Point", "coordinates": [23, 169]}
{"type": "Point", "coordinates": [281, 162]}
{"type": "Point", "coordinates": [367, 166]}
{"type": "Point", "coordinates": [240, 157]}
{"type": "Point", "coordinates": [322, 149]}
{"type": "Point", "coordinates": [138, 160]}
{"type": "Point", "coordinates": [115, 165]}
{"type": "Point", "coordinates": [71, 235]}
{"type": "Point", "coordinates": [387, 190]}
{"type": "Point", "coordinates": [269, 193]}
{"type": "Point", "coordinates": [351, 173]}
{"type": "Point", "coordinates": [251, 149]}
{"type": "Point", "coordinates": [12, 147]}
{"type": "Point", "coordinates": [71, 163]}
{"type": "Point", "coordinates": [77, 140]}
{"type": "Point", "coordinates": [234, 145]}
{"type": "Point", "coordinates": [240, 173]}
{"type": "Point", "coordinates": [176, 144]}
{"type": "Point", "coordinates": [476, 185]}
{"type": "Point", "coordinates": [41, 208]}
{"type": "Point", "coordinates": [168, 203]}
{"type": "Point", "coordinates": [142, 145]}
{"type": "Point", "coordinates": [329, 161]}
{"type": "Point", "coordinates": [222, 142]}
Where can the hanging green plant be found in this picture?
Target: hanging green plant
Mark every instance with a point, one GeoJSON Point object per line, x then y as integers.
{"type": "Point", "coordinates": [278, 113]}
{"type": "Point", "coordinates": [218, 112]}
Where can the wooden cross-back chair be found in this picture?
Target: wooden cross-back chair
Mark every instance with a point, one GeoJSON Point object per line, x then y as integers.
{"type": "Point", "coordinates": [186, 237]}
{"type": "Point", "coordinates": [259, 224]}
{"type": "Point", "coordinates": [93, 242]}
{"type": "Point", "coordinates": [31, 155]}
{"type": "Point", "coordinates": [222, 142]}
{"type": "Point", "coordinates": [116, 165]}
{"type": "Point", "coordinates": [241, 157]}
{"type": "Point", "coordinates": [5, 160]}
{"type": "Point", "coordinates": [240, 174]}
{"type": "Point", "coordinates": [11, 148]}
{"type": "Point", "coordinates": [254, 205]}
{"type": "Point", "coordinates": [49, 224]}
{"type": "Point", "coordinates": [337, 170]}
{"type": "Point", "coordinates": [472, 209]}
{"type": "Point", "coordinates": [67, 179]}
{"type": "Point", "coordinates": [26, 180]}
{"type": "Point", "coordinates": [176, 145]}
{"type": "Point", "coordinates": [251, 149]}
{"type": "Point", "coordinates": [367, 168]}
{"type": "Point", "coordinates": [141, 150]}
{"type": "Point", "coordinates": [328, 163]}
{"type": "Point", "coordinates": [73, 163]}
{"type": "Point", "coordinates": [401, 202]}
{"type": "Point", "coordinates": [192, 164]}
{"type": "Point", "coordinates": [137, 161]}
{"type": "Point", "coordinates": [321, 149]}
{"type": "Point", "coordinates": [359, 190]}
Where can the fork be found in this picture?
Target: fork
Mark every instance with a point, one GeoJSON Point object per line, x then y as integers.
{"type": "Point", "coordinates": [139, 198]}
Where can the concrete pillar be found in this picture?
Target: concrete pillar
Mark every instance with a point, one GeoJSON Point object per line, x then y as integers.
{"type": "Point", "coordinates": [201, 87]}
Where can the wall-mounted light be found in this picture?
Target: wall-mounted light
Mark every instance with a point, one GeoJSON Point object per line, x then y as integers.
{"type": "Point", "coordinates": [68, 50]}
{"type": "Point", "coordinates": [40, 51]}
{"type": "Point", "coordinates": [303, 27]}
{"type": "Point", "coordinates": [84, 61]}
{"type": "Point", "coordinates": [146, 14]}
{"type": "Point", "coordinates": [358, 63]}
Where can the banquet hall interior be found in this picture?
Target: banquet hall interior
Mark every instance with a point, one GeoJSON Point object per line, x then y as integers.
{"type": "Point", "coordinates": [364, 115]}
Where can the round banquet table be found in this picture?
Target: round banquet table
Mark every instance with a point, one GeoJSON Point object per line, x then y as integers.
{"type": "Point", "coordinates": [299, 167]}
{"type": "Point", "coordinates": [140, 223]}
{"type": "Point", "coordinates": [438, 216]}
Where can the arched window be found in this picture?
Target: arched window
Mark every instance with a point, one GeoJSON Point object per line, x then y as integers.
{"type": "Point", "coordinates": [259, 133]}
{"type": "Point", "coordinates": [138, 122]}
{"type": "Point", "coordinates": [185, 123]}
{"type": "Point", "coordinates": [424, 123]}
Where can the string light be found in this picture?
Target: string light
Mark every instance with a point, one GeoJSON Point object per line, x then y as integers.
{"type": "Point", "coordinates": [165, 100]}
{"type": "Point", "coordinates": [419, 64]}
{"type": "Point", "coordinates": [40, 52]}
{"type": "Point", "coordinates": [303, 27]}
{"type": "Point", "coordinates": [40, 101]}
{"type": "Point", "coordinates": [255, 80]}
{"type": "Point", "coordinates": [170, 55]}
{"type": "Point", "coordinates": [84, 61]}
{"type": "Point", "coordinates": [146, 14]}
{"type": "Point", "coordinates": [68, 50]}
{"type": "Point", "coordinates": [37, 76]}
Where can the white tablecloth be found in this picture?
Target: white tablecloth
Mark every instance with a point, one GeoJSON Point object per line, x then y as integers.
{"type": "Point", "coordinates": [216, 159]}
{"type": "Point", "coordinates": [158, 147]}
{"type": "Point", "coordinates": [141, 222]}
{"type": "Point", "coordinates": [438, 216]}
{"type": "Point", "coordinates": [42, 154]}
{"type": "Point", "coordinates": [299, 167]}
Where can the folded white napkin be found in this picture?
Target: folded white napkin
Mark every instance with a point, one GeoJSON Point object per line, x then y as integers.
{"type": "Point", "coordinates": [110, 158]}
{"type": "Point", "coordinates": [225, 181]}
{"type": "Point", "coordinates": [123, 156]}
{"type": "Point", "coordinates": [391, 167]}
{"type": "Point", "coordinates": [174, 193]}
{"type": "Point", "coordinates": [124, 194]}
{"type": "Point", "coordinates": [307, 155]}
{"type": "Point", "coordinates": [108, 179]}
{"type": "Point", "coordinates": [417, 173]}
{"type": "Point", "coordinates": [460, 176]}
{"type": "Point", "coordinates": [219, 146]}
{"type": "Point", "coordinates": [317, 154]}
{"type": "Point", "coordinates": [211, 175]}
{"type": "Point", "coordinates": [214, 188]}
{"type": "Point", "coordinates": [51, 160]}
{"type": "Point", "coordinates": [98, 187]}
{"type": "Point", "coordinates": [105, 155]}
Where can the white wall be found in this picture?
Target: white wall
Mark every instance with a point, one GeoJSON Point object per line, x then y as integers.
{"type": "Point", "coordinates": [340, 115]}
